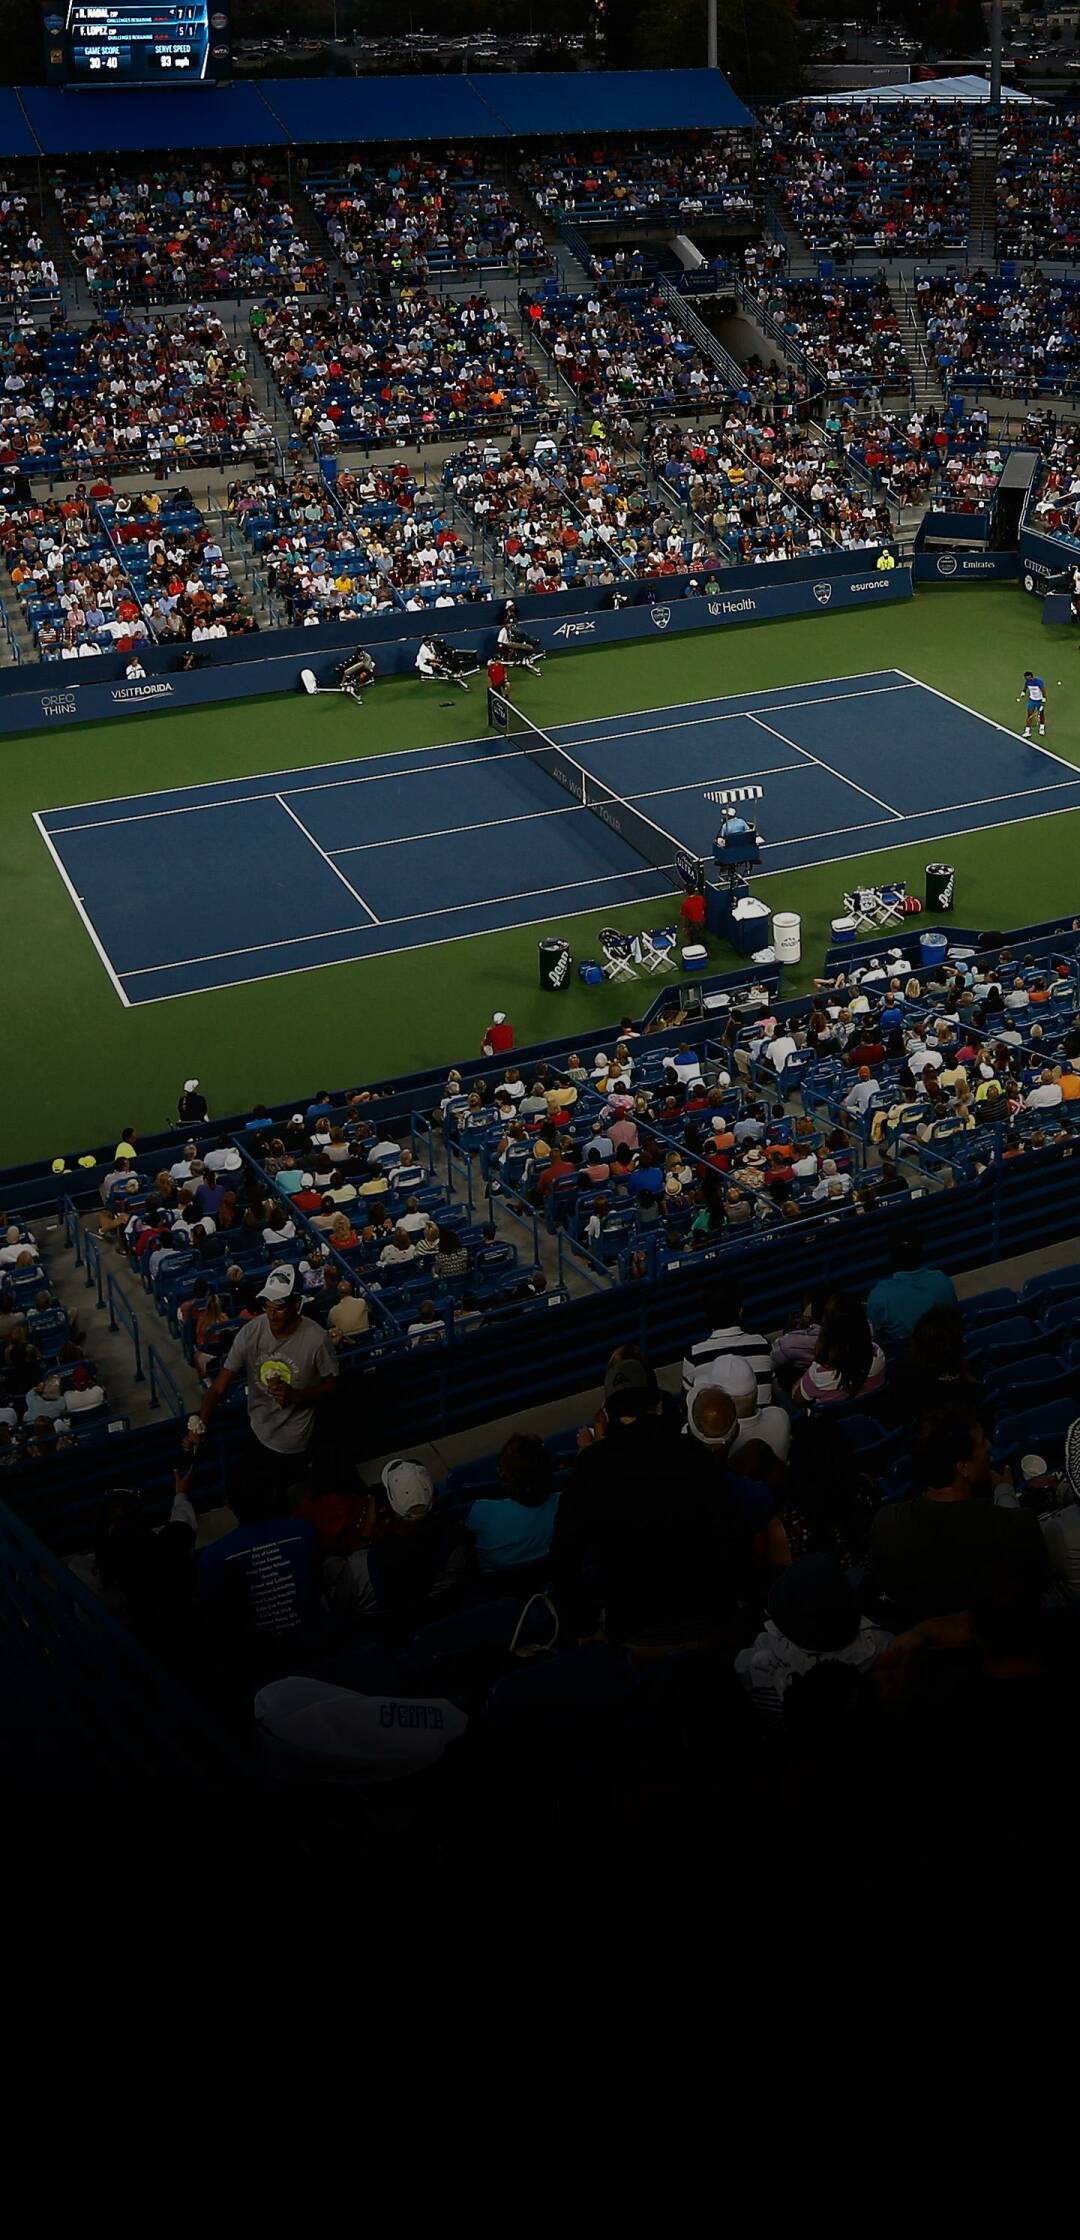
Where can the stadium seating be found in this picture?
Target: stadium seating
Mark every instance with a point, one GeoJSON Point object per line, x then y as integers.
{"type": "Point", "coordinates": [423, 217]}
{"type": "Point", "coordinates": [622, 349]}
{"type": "Point", "coordinates": [714, 178]}
{"type": "Point", "coordinates": [1014, 337]}
{"type": "Point", "coordinates": [125, 393]}
{"type": "Point", "coordinates": [422, 367]}
{"type": "Point", "coordinates": [893, 179]}
{"type": "Point", "coordinates": [187, 235]}
{"type": "Point", "coordinates": [373, 543]}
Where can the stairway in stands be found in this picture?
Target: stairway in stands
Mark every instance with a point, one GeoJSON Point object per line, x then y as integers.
{"type": "Point", "coordinates": [928, 389]}
{"type": "Point", "coordinates": [802, 262]}
{"type": "Point", "coordinates": [983, 192]}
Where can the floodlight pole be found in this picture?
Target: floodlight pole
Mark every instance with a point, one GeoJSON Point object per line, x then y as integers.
{"type": "Point", "coordinates": [714, 52]}
{"type": "Point", "coordinates": [995, 58]}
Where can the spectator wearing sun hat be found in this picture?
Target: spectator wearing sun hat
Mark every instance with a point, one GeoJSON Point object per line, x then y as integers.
{"type": "Point", "coordinates": [191, 1105]}
{"type": "Point", "coordinates": [733, 1374]}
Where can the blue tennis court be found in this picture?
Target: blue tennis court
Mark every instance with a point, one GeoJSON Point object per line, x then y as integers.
{"type": "Point", "coordinates": [214, 885]}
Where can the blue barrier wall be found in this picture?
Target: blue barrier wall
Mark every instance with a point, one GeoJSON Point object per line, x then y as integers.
{"type": "Point", "coordinates": [59, 693]}
{"type": "Point", "coordinates": [397, 624]}
{"type": "Point", "coordinates": [960, 525]}
{"type": "Point", "coordinates": [1041, 558]}
{"type": "Point", "coordinates": [967, 567]}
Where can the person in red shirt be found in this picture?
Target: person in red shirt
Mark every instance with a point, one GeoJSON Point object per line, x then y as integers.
{"type": "Point", "coordinates": [498, 1037]}
{"type": "Point", "coordinates": [693, 913]}
{"type": "Point", "coordinates": [558, 1167]}
{"type": "Point", "coordinates": [497, 674]}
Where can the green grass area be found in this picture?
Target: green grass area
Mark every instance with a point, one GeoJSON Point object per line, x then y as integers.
{"type": "Point", "coordinates": [78, 1066]}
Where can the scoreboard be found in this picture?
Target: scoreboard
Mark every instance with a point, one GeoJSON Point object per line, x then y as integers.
{"type": "Point", "coordinates": [136, 42]}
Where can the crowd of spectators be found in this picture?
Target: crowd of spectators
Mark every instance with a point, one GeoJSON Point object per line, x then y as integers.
{"type": "Point", "coordinates": [1056, 508]}
{"type": "Point", "coordinates": [889, 179]}
{"type": "Point", "coordinates": [651, 182]}
{"type": "Point", "coordinates": [622, 350]}
{"type": "Point", "coordinates": [377, 542]}
{"type": "Point", "coordinates": [187, 234]}
{"type": "Point", "coordinates": [125, 393]}
{"type": "Point", "coordinates": [567, 511]}
{"type": "Point", "coordinates": [422, 216]}
{"type": "Point", "coordinates": [100, 573]}
{"type": "Point", "coordinates": [28, 273]}
{"type": "Point", "coordinates": [770, 488]}
{"type": "Point", "coordinates": [51, 1397]}
{"type": "Point", "coordinates": [174, 559]}
{"type": "Point", "coordinates": [417, 368]}
{"type": "Point", "coordinates": [1017, 337]}
{"type": "Point", "coordinates": [70, 581]}
{"type": "Point", "coordinates": [1038, 176]}
{"type": "Point", "coordinates": [848, 327]}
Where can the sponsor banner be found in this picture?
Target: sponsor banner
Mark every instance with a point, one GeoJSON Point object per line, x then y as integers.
{"type": "Point", "coordinates": [1045, 563]}
{"type": "Point", "coordinates": [967, 567]}
{"type": "Point", "coordinates": [47, 701]}
{"type": "Point", "coordinates": [765, 602]}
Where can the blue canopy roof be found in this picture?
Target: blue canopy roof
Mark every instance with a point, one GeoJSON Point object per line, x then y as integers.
{"type": "Point", "coordinates": [16, 138]}
{"type": "Point", "coordinates": [435, 108]}
{"type": "Point", "coordinates": [558, 101]}
{"type": "Point", "coordinates": [278, 112]}
{"type": "Point", "coordinates": [92, 123]}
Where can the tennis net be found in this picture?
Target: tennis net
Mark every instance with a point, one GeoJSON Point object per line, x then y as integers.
{"type": "Point", "coordinates": [648, 840]}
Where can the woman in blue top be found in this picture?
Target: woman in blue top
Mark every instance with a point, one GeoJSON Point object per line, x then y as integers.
{"type": "Point", "coordinates": [515, 1525]}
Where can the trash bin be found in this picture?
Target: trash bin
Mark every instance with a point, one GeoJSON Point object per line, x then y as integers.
{"type": "Point", "coordinates": [940, 886]}
{"type": "Point", "coordinates": [555, 962]}
{"type": "Point", "coordinates": [787, 936]}
{"type": "Point", "coordinates": [933, 948]}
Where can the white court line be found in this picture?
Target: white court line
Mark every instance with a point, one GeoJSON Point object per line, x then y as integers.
{"type": "Point", "coordinates": [996, 726]}
{"type": "Point", "coordinates": [798, 840]}
{"type": "Point", "coordinates": [838, 774]}
{"type": "Point", "coordinates": [213, 956]}
{"type": "Point", "coordinates": [951, 809]}
{"type": "Point", "coordinates": [923, 840]}
{"type": "Point", "coordinates": [569, 886]}
{"type": "Point", "coordinates": [232, 800]}
{"type": "Point", "coordinates": [804, 684]}
{"type": "Point", "coordinates": [572, 809]}
{"type": "Point", "coordinates": [87, 922]}
{"type": "Point", "coordinates": [407, 949]}
{"type": "Point", "coordinates": [326, 859]}
{"type": "Point", "coordinates": [736, 715]}
{"type": "Point", "coordinates": [625, 715]}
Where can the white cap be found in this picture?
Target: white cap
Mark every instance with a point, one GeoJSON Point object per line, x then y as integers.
{"type": "Point", "coordinates": [409, 1489]}
{"type": "Point", "coordinates": [312, 1730]}
{"type": "Point", "coordinates": [190, 1088]}
{"type": "Point", "coordinates": [731, 1373]}
{"type": "Point", "coordinates": [498, 1018]}
{"type": "Point", "coordinates": [280, 1284]}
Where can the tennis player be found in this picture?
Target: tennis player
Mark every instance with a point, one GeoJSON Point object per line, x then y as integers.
{"type": "Point", "coordinates": [1034, 695]}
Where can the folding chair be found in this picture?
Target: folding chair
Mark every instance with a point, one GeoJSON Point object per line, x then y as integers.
{"type": "Point", "coordinates": [654, 949]}
{"type": "Point", "coordinates": [617, 950]}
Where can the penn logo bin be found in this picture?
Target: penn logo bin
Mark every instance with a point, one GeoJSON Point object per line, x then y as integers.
{"type": "Point", "coordinates": [556, 963]}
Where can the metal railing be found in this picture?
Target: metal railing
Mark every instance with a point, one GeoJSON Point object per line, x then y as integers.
{"type": "Point", "coordinates": [162, 1381]}
{"type": "Point", "coordinates": [122, 1317]}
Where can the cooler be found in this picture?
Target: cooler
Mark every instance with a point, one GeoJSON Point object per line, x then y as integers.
{"type": "Point", "coordinates": [843, 932]}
